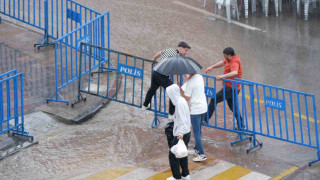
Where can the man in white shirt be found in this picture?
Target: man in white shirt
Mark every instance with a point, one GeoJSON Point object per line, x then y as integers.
{"type": "Point", "coordinates": [193, 91]}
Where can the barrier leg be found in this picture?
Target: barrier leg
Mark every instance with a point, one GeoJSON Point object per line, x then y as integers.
{"type": "Point", "coordinates": [254, 143]}
{"type": "Point", "coordinates": [155, 120]}
{"type": "Point", "coordinates": [46, 38]}
{"type": "Point", "coordinates": [240, 137]}
{"type": "Point", "coordinates": [315, 159]}
{"type": "Point", "coordinates": [0, 19]}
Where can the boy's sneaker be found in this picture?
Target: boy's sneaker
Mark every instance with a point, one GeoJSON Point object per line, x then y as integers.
{"type": "Point", "coordinates": [172, 178]}
{"type": "Point", "coordinates": [171, 117]}
{"type": "Point", "coordinates": [185, 178]}
{"type": "Point", "coordinates": [200, 158]}
{"type": "Point", "coordinates": [144, 107]}
{"type": "Point", "coordinates": [193, 152]}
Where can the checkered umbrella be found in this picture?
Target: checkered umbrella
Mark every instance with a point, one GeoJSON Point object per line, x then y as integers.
{"type": "Point", "coordinates": [178, 65]}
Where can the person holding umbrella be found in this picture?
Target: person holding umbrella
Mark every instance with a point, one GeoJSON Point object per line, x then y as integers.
{"type": "Point", "coordinates": [193, 91]}
{"type": "Point", "coordinates": [163, 79]}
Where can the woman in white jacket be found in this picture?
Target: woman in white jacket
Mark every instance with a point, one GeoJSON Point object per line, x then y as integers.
{"type": "Point", "coordinates": [181, 130]}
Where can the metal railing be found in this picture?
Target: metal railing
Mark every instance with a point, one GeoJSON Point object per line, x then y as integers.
{"type": "Point", "coordinates": [54, 17]}
{"type": "Point", "coordinates": [67, 50]}
{"type": "Point", "coordinates": [11, 104]}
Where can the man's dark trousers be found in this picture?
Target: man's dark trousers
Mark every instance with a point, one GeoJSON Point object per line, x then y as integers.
{"type": "Point", "coordinates": [176, 163]}
{"type": "Point", "coordinates": [158, 80]}
{"type": "Point", "coordinates": [228, 96]}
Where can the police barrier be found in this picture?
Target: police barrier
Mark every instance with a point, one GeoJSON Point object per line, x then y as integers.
{"type": "Point", "coordinates": [67, 52]}
{"type": "Point", "coordinates": [284, 114]}
{"type": "Point", "coordinates": [11, 104]}
{"type": "Point", "coordinates": [54, 17]}
{"type": "Point", "coordinates": [126, 67]}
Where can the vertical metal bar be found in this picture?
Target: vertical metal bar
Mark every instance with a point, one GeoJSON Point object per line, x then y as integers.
{"type": "Point", "coordinates": [90, 56]}
{"type": "Point", "coordinates": [134, 80]}
{"type": "Point", "coordinates": [99, 70]}
{"type": "Point", "coordinates": [259, 111]}
{"type": "Point", "coordinates": [292, 116]}
{"type": "Point", "coordinates": [224, 104]}
{"type": "Point", "coordinates": [61, 17]}
{"type": "Point", "coordinates": [280, 125]}
{"type": "Point", "coordinates": [266, 110]}
{"type": "Point", "coordinates": [56, 67]}
{"type": "Point", "coordinates": [85, 16]}
{"type": "Point", "coordinates": [8, 102]}
{"type": "Point", "coordinates": [108, 75]}
{"type": "Point", "coordinates": [315, 123]}
{"type": "Point", "coordinates": [57, 19]}
{"type": "Point", "coordinates": [66, 55]}
{"type": "Point", "coordinates": [18, 9]}
{"type": "Point", "coordinates": [301, 131]}
{"type": "Point", "coordinates": [52, 18]}
{"type": "Point", "coordinates": [16, 105]}
{"type": "Point", "coordinates": [308, 120]}
{"type": "Point", "coordinates": [125, 82]}
{"type": "Point", "coordinates": [207, 99]}
{"type": "Point", "coordinates": [76, 52]}
{"type": "Point", "coordinates": [271, 108]}
{"type": "Point", "coordinates": [39, 13]}
{"type": "Point", "coordinates": [29, 11]}
{"type": "Point", "coordinates": [67, 19]}
{"type": "Point", "coordinates": [1, 106]}
{"type": "Point", "coordinates": [117, 75]}
{"type": "Point", "coordinates": [80, 68]}
{"type": "Point", "coordinates": [61, 62]}
{"type": "Point", "coordinates": [285, 114]}
{"type": "Point", "coordinates": [233, 104]}
{"type": "Point", "coordinates": [23, 11]}
{"type": "Point", "coordinates": [34, 12]}
{"type": "Point", "coordinates": [245, 114]}
{"type": "Point", "coordinates": [22, 101]}
{"type": "Point", "coordinates": [215, 102]}
{"type": "Point", "coordinates": [141, 96]}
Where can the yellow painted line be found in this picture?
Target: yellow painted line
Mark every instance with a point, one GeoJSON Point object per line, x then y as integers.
{"type": "Point", "coordinates": [109, 174]}
{"type": "Point", "coordinates": [191, 165]}
{"type": "Point", "coordinates": [304, 117]}
{"type": "Point", "coordinates": [285, 173]}
{"type": "Point", "coordinates": [235, 172]}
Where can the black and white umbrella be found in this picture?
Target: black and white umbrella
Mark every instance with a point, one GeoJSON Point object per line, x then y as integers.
{"type": "Point", "coordinates": [178, 65]}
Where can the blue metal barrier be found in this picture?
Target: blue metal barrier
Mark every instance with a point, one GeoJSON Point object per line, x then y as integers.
{"type": "Point", "coordinates": [54, 17]}
{"type": "Point", "coordinates": [285, 115]}
{"type": "Point", "coordinates": [130, 67]}
{"type": "Point", "coordinates": [68, 46]}
{"type": "Point", "coordinates": [11, 104]}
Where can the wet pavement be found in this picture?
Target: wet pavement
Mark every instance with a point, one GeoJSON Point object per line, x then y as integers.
{"type": "Point", "coordinates": [282, 52]}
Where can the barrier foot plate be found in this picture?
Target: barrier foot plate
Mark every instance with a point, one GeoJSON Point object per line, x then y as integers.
{"type": "Point", "coordinates": [241, 137]}
{"type": "Point", "coordinates": [46, 42]}
{"type": "Point", "coordinates": [315, 159]}
{"type": "Point", "coordinates": [57, 100]}
{"type": "Point", "coordinates": [254, 143]}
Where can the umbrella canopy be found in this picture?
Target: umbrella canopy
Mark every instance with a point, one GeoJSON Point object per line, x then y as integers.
{"type": "Point", "coordinates": [178, 65]}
